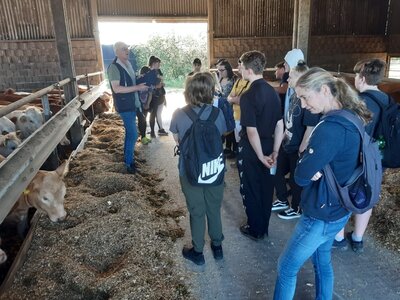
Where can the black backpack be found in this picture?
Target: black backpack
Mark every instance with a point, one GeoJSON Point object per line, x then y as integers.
{"type": "Point", "coordinates": [202, 151]}
{"type": "Point", "coordinates": [387, 131]}
{"type": "Point", "coordinates": [227, 110]}
{"type": "Point", "coordinates": [361, 192]}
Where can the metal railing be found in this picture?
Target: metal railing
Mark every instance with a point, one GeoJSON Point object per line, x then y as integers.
{"type": "Point", "coordinates": [17, 171]}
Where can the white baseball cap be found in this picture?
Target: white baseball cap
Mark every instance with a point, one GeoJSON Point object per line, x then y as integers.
{"type": "Point", "coordinates": [293, 57]}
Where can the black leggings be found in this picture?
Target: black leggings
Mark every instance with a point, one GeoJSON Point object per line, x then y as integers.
{"type": "Point", "coordinates": [141, 116]}
{"type": "Point", "coordinates": [230, 142]}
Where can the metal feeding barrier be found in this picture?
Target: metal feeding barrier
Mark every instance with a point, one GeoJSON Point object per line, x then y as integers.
{"type": "Point", "coordinates": [17, 171]}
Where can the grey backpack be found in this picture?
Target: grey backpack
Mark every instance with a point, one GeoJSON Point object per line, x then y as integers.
{"type": "Point", "coordinates": [361, 192]}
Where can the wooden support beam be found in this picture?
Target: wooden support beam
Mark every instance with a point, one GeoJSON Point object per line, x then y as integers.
{"type": "Point", "coordinates": [210, 31]}
{"type": "Point", "coordinates": [303, 26]}
{"type": "Point", "coordinates": [295, 23]}
{"type": "Point", "coordinates": [96, 34]}
{"type": "Point", "coordinates": [67, 67]}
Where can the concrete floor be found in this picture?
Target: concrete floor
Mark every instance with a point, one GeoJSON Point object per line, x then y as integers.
{"type": "Point", "coordinates": [248, 270]}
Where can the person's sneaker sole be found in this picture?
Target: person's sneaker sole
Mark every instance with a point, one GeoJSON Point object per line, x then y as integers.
{"type": "Point", "coordinates": [289, 217]}
{"type": "Point", "coordinates": [276, 208]}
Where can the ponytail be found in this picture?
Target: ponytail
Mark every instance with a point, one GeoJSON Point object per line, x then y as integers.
{"type": "Point", "coordinates": [350, 100]}
{"type": "Point", "coordinates": [315, 78]}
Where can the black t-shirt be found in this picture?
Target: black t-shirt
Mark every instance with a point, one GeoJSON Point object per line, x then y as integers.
{"type": "Point", "coordinates": [260, 108]}
{"type": "Point", "coordinates": [296, 123]}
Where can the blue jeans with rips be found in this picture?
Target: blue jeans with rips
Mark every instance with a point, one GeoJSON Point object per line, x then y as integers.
{"type": "Point", "coordinates": [129, 119]}
{"type": "Point", "coordinates": [311, 237]}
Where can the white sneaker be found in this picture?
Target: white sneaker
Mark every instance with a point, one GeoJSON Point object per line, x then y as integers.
{"type": "Point", "coordinates": [290, 214]}
{"type": "Point", "coordinates": [279, 205]}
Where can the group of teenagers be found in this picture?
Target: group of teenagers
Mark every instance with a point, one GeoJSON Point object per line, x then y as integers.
{"type": "Point", "coordinates": [296, 134]}
{"type": "Point", "coordinates": [135, 97]}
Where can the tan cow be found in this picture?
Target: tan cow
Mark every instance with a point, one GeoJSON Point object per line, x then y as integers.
{"type": "Point", "coordinates": [46, 192]}
{"type": "Point", "coordinates": [27, 121]}
{"type": "Point", "coordinates": [8, 143]}
{"type": "Point", "coordinates": [6, 126]}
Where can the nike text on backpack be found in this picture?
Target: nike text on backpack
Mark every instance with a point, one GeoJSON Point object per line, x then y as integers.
{"type": "Point", "coordinates": [361, 191]}
{"type": "Point", "coordinates": [202, 151]}
{"type": "Point", "coordinates": [387, 132]}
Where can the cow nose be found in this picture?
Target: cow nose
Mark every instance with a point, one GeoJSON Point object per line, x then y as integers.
{"type": "Point", "coordinates": [62, 218]}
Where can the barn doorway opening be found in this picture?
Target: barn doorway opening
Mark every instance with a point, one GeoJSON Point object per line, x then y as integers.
{"type": "Point", "coordinates": [176, 44]}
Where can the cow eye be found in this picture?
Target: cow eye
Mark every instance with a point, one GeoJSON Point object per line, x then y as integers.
{"type": "Point", "coordinates": [45, 198]}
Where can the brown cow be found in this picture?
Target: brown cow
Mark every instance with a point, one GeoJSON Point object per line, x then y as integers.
{"type": "Point", "coordinates": [46, 192]}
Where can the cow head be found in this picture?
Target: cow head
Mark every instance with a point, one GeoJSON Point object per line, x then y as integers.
{"type": "Point", "coordinates": [102, 104]}
{"type": "Point", "coordinates": [6, 125]}
{"type": "Point", "coordinates": [29, 121]}
{"type": "Point", "coordinates": [46, 192]}
{"type": "Point", "coordinates": [8, 143]}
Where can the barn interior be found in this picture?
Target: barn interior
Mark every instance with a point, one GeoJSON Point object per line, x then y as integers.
{"type": "Point", "coordinates": [333, 34]}
{"type": "Point", "coordinates": [43, 42]}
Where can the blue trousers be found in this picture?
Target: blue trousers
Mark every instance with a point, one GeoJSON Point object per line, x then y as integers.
{"type": "Point", "coordinates": [129, 119]}
{"type": "Point", "coordinates": [311, 238]}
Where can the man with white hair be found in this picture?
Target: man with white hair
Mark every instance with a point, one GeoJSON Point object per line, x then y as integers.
{"type": "Point", "coordinates": [126, 99]}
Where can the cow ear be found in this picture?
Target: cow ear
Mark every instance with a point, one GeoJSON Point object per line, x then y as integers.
{"type": "Point", "coordinates": [62, 170]}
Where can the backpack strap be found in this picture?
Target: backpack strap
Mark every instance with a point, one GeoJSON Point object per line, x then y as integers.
{"type": "Point", "coordinates": [330, 176]}
{"type": "Point", "coordinates": [382, 107]}
{"type": "Point", "coordinates": [193, 116]}
{"type": "Point", "coordinates": [376, 100]}
{"type": "Point", "coordinates": [356, 121]}
{"type": "Point", "coordinates": [214, 114]}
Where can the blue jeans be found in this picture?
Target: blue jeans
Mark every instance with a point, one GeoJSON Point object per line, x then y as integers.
{"type": "Point", "coordinates": [129, 119]}
{"type": "Point", "coordinates": [314, 238]}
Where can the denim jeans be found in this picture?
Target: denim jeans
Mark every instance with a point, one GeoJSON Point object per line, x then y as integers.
{"type": "Point", "coordinates": [314, 238]}
{"type": "Point", "coordinates": [129, 119]}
